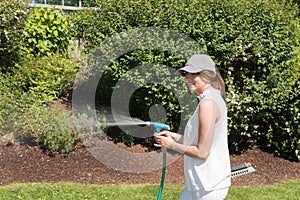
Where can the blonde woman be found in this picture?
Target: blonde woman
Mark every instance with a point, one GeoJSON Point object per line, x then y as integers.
{"type": "Point", "coordinates": [204, 143]}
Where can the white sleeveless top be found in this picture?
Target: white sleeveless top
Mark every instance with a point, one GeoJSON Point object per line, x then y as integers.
{"type": "Point", "coordinates": [213, 173]}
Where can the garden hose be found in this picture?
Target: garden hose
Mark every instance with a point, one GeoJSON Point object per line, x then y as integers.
{"type": "Point", "coordinates": [158, 127]}
{"type": "Point", "coordinates": [163, 173]}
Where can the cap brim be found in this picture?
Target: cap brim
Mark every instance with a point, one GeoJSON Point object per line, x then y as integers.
{"type": "Point", "coordinates": [187, 68]}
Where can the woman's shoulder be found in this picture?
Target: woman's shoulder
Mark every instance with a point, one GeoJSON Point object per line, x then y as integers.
{"type": "Point", "coordinates": [206, 103]}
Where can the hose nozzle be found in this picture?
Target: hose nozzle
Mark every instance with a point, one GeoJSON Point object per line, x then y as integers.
{"type": "Point", "coordinates": [158, 126]}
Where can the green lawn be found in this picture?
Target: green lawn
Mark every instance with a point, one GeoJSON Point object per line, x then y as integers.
{"type": "Point", "coordinates": [65, 191]}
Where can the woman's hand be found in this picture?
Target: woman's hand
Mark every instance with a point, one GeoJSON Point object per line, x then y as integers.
{"type": "Point", "coordinates": [164, 139]}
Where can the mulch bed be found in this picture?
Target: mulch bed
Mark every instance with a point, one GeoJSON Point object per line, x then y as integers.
{"type": "Point", "coordinates": [21, 163]}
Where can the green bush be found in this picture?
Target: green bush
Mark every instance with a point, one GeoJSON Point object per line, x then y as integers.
{"type": "Point", "coordinates": [46, 78]}
{"type": "Point", "coordinates": [252, 43]}
{"type": "Point", "coordinates": [28, 119]}
{"type": "Point", "coordinates": [13, 102]}
{"type": "Point", "coordinates": [50, 128]}
{"type": "Point", "coordinates": [4, 98]}
{"type": "Point", "coordinates": [46, 32]}
{"type": "Point", "coordinates": [254, 49]}
{"type": "Point", "coordinates": [127, 139]}
{"type": "Point", "coordinates": [13, 14]}
{"type": "Point", "coordinates": [147, 94]}
{"type": "Point", "coordinates": [25, 98]}
{"type": "Point", "coordinates": [33, 82]}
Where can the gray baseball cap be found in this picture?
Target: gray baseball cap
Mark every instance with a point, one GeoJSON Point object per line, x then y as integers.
{"type": "Point", "coordinates": [198, 63]}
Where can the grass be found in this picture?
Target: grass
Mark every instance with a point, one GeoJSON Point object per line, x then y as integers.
{"type": "Point", "coordinates": [70, 191]}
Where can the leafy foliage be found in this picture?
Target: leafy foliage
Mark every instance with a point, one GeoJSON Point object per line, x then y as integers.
{"type": "Point", "coordinates": [41, 76]}
{"type": "Point", "coordinates": [47, 78]}
{"type": "Point", "coordinates": [26, 116]}
{"type": "Point", "coordinates": [255, 45]}
{"type": "Point", "coordinates": [252, 43]}
{"type": "Point", "coordinates": [7, 95]}
{"type": "Point", "coordinates": [39, 81]}
{"type": "Point", "coordinates": [13, 14]}
{"type": "Point", "coordinates": [46, 32]}
{"type": "Point", "coordinates": [48, 128]}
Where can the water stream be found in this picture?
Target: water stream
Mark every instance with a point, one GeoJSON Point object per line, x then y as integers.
{"type": "Point", "coordinates": [121, 120]}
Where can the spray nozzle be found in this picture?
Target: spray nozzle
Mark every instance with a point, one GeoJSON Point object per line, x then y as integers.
{"type": "Point", "coordinates": [158, 126]}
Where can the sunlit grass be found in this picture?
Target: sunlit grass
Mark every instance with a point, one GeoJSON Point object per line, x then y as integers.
{"type": "Point", "coordinates": [70, 191]}
{"type": "Point", "coordinates": [286, 191]}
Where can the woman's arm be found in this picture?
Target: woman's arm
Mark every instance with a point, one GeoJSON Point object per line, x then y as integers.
{"type": "Point", "coordinates": [208, 116]}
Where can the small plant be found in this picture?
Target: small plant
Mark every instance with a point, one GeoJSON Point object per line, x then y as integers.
{"type": "Point", "coordinates": [87, 126]}
{"type": "Point", "coordinates": [46, 32]}
{"type": "Point", "coordinates": [127, 139]}
{"type": "Point", "coordinates": [50, 128]}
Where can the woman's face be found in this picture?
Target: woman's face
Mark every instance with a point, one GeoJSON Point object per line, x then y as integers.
{"type": "Point", "coordinates": [195, 83]}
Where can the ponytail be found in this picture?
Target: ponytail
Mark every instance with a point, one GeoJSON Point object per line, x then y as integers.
{"type": "Point", "coordinates": [215, 80]}
{"type": "Point", "coordinates": [219, 84]}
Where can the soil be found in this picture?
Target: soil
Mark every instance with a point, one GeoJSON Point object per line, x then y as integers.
{"type": "Point", "coordinates": [22, 163]}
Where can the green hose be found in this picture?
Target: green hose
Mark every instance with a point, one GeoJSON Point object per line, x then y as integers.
{"type": "Point", "coordinates": [163, 173]}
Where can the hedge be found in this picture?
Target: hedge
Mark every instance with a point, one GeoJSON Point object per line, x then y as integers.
{"type": "Point", "coordinates": [255, 45]}
{"type": "Point", "coordinates": [252, 43]}
{"type": "Point", "coordinates": [13, 15]}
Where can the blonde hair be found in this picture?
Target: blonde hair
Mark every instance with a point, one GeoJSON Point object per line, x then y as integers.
{"type": "Point", "coordinates": [214, 79]}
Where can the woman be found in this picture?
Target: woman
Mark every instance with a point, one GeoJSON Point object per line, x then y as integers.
{"type": "Point", "coordinates": [204, 143]}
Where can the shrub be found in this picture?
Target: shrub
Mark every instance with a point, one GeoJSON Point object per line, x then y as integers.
{"type": "Point", "coordinates": [41, 76]}
{"type": "Point", "coordinates": [13, 14]}
{"type": "Point", "coordinates": [46, 32]}
{"type": "Point", "coordinates": [46, 78]}
{"type": "Point", "coordinates": [4, 98]}
{"type": "Point", "coordinates": [147, 94]}
{"type": "Point", "coordinates": [50, 128]}
{"type": "Point", "coordinates": [30, 120]}
{"type": "Point", "coordinates": [252, 43]}
{"type": "Point", "coordinates": [25, 98]}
